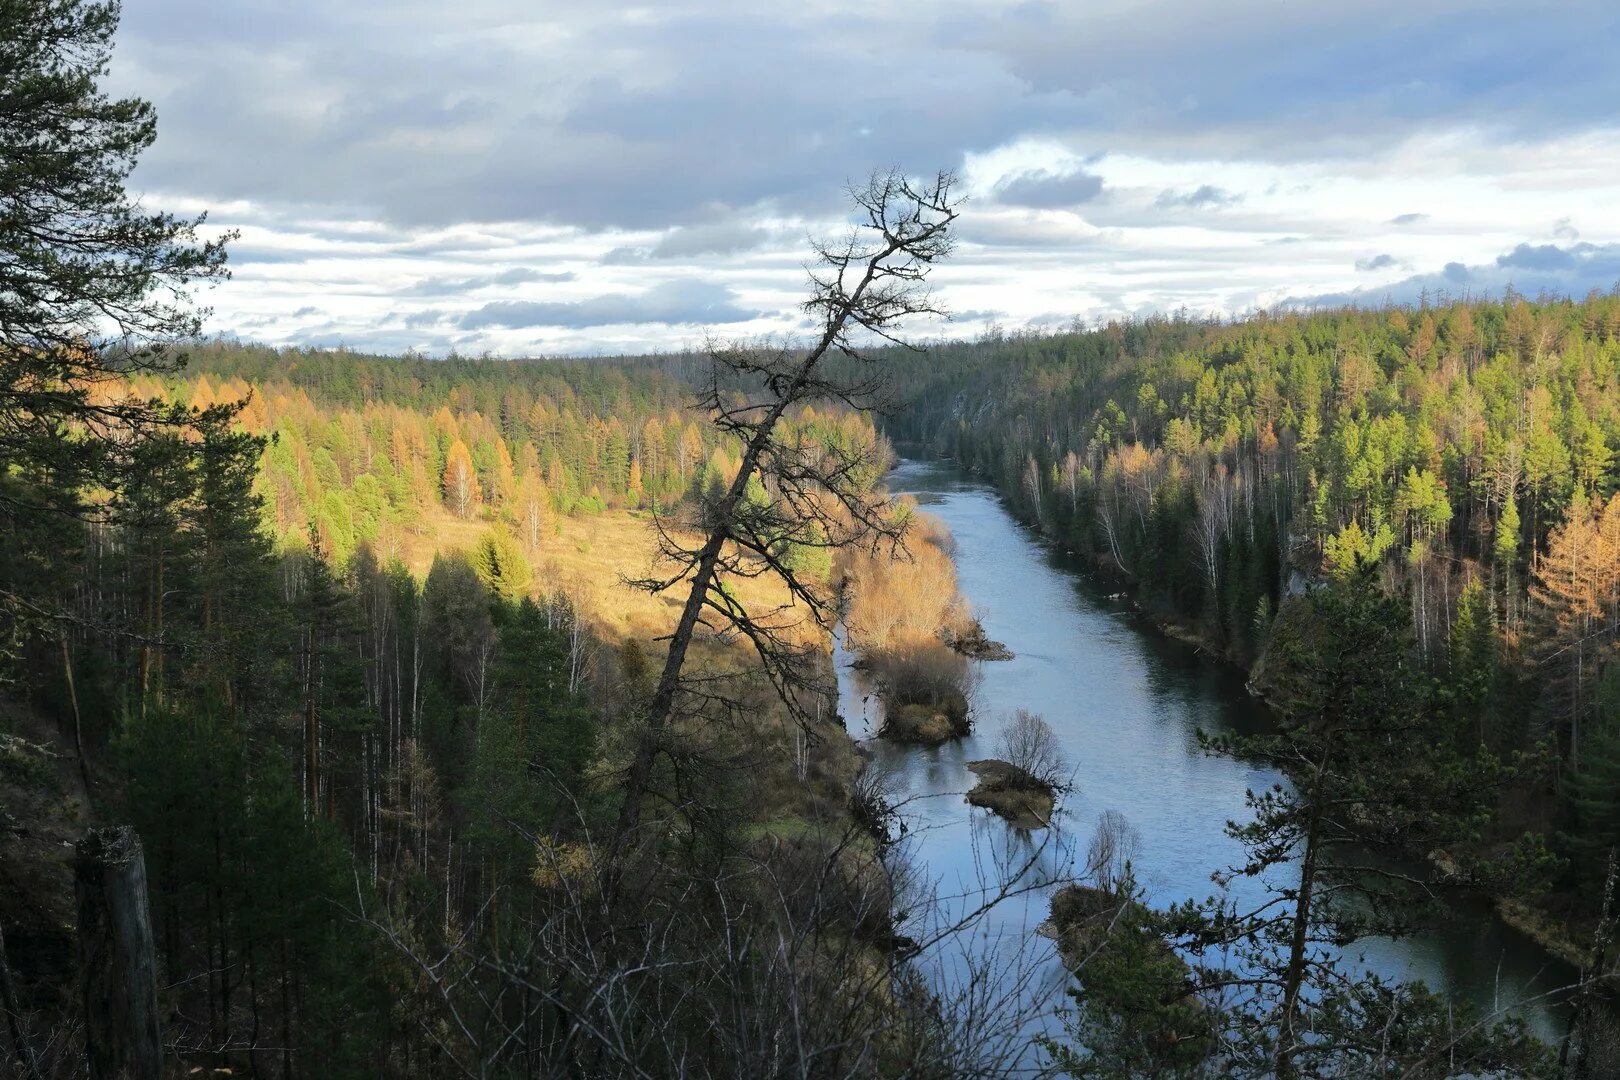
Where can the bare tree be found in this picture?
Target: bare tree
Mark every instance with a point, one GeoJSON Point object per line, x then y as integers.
{"type": "Point", "coordinates": [780, 960]}
{"type": "Point", "coordinates": [1028, 743]}
{"type": "Point", "coordinates": [862, 290]}
{"type": "Point", "coordinates": [1115, 844]}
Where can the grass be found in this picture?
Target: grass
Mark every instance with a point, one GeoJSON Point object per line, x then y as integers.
{"type": "Point", "coordinates": [591, 558]}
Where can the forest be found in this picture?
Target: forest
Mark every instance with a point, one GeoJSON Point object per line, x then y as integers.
{"type": "Point", "coordinates": [1460, 452]}
{"type": "Point", "coordinates": [368, 715]}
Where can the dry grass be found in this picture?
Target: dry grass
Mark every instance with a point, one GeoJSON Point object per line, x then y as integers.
{"type": "Point", "coordinates": [900, 599]}
{"type": "Point", "coordinates": [591, 558]}
{"type": "Point", "coordinates": [796, 794]}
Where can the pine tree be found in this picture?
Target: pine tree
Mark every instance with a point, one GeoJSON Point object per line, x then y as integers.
{"type": "Point", "coordinates": [1595, 791]}
{"type": "Point", "coordinates": [332, 686]}
{"type": "Point", "coordinates": [1374, 766]}
{"type": "Point", "coordinates": [1474, 652]}
{"type": "Point", "coordinates": [79, 252]}
{"type": "Point", "coordinates": [234, 586]}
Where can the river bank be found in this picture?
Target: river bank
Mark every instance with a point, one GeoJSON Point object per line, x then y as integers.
{"type": "Point", "coordinates": [1126, 701]}
{"type": "Point", "coordinates": [1563, 936]}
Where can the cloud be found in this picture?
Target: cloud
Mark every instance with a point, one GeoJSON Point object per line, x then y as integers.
{"type": "Point", "coordinates": [375, 340]}
{"type": "Point", "coordinates": [362, 145]}
{"type": "Point", "coordinates": [1543, 257]}
{"type": "Point", "coordinates": [625, 256]}
{"type": "Point", "coordinates": [1531, 269]}
{"type": "Point", "coordinates": [417, 320]}
{"type": "Point", "coordinates": [1331, 78]}
{"type": "Point", "coordinates": [1383, 261]}
{"type": "Point", "coordinates": [250, 254]}
{"type": "Point", "coordinates": [598, 115]}
{"type": "Point", "coordinates": [517, 275]}
{"type": "Point", "coordinates": [692, 303]}
{"type": "Point", "coordinates": [1205, 195]}
{"type": "Point", "coordinates": [1049, 192]}
{"type": "Point", "coordinates": [1033, 231]}
{"type": "Point", "coordinates": [582, 117]}
{"type": "Point", "coordinates": [725, 238]}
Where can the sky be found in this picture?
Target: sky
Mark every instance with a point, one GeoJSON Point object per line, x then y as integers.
{"type": "Point", "coordinates": [538, 178]}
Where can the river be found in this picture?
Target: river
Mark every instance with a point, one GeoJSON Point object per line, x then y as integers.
{"type": "Point", "coordinates": [1125, 702]}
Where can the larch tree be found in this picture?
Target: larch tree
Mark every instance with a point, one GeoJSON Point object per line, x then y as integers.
{"type": "Point", "coordinates": [1575, 596]}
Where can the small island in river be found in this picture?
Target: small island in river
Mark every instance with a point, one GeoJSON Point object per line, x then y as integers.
{"type": "Point", "coordinates": [1023, 800]}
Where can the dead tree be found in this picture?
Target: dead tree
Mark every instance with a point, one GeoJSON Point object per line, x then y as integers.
{"type": "Point", "coordinates": [1029, 744]}
{"type": "Point", "coordinates": [788, 492]}
{"type": "Point", "coordinates": [117, 968]}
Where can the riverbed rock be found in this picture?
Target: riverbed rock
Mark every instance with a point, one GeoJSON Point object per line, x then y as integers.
{"type": "Point", "coordinates": [1012, 794]}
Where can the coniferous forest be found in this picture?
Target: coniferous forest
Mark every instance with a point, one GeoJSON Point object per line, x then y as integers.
{"type": "Point", "coordinates": [369, 715]}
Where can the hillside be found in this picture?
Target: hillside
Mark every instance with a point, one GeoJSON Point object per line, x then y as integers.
{"type": "Point", "coordinates": [1462, 454]}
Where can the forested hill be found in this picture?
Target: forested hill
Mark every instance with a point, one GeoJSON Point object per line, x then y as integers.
{"type": "Point", "coordinates": [392, 452]}
{"type": "Point", "coordinates": [1459, 435]}
{"type": "Point", "coordinates": [1466, 449]}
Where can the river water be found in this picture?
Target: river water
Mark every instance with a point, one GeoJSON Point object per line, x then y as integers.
{"type": "Point", "coordinates": [1125, 702]}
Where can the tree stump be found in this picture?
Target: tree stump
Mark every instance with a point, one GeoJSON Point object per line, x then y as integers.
{"type": "Point", "coordinates": [117, 964]}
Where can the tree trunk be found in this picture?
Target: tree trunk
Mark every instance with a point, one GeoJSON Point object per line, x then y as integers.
{"type": "Point", "coordinates": [78, 722]}
{"type": "Point", "coordinates": [117, 963]}
{"type": "Point", "coordinates": [1294, 978]}
{"type": "Point", "coordinates": [915, 237]}
{"type": "Point", "coordinates": [311, 731]}
{"type": "Point", "coordinates": [1580, 1035]}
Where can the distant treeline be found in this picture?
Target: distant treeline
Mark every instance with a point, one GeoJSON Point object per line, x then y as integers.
{"type": "Point", "coordinates": [369, 448]}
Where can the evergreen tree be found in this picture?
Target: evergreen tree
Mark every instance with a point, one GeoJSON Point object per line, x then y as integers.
{"type": "Point", "coordinates": [77, 253]}
{"type": "Point", "coordinates": [1374, 767]}
{"type": "Point", "coordinates": [1595, 791]}
{"type": "Point", "coordinates": [1475, 657]}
